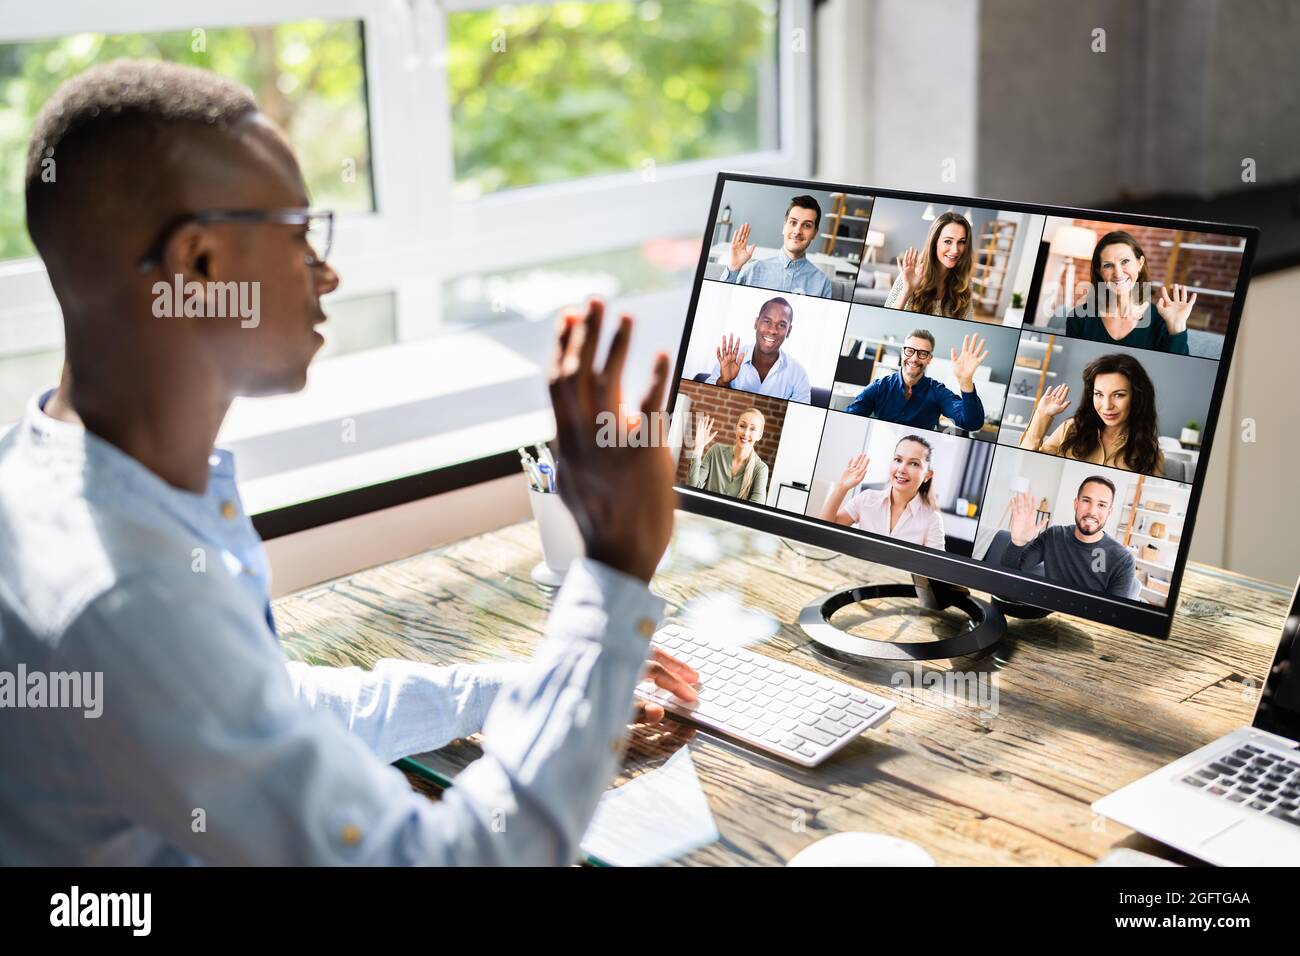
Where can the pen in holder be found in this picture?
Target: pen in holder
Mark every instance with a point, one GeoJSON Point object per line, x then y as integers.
{"type": "Point", "coordinates": [561, 539]}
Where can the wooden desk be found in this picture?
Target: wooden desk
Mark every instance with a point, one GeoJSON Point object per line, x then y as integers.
{"type": "Point", "coordinates": [1081, 708]}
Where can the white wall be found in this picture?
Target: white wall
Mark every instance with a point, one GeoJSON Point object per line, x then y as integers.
{"type": "Point", "coordinates": [801, 434]}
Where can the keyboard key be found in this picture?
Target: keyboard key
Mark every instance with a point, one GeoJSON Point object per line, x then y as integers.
{"type": "Point", "coordinates": [815, 735]}
{"type": "Point", "coordinates": [866, 712]}
{"type": "Point", "coordinates": [833, 727]}
{"type": "Point", "coordinates": [1194, 781]}
{"type": "Point", "coordinates": [1283, 815]}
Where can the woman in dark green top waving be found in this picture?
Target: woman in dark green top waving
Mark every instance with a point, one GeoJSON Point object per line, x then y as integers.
{"type": "Point", "coordinates": [1124, 313]}
{"type": "Point", "coordinates": [733, 469]}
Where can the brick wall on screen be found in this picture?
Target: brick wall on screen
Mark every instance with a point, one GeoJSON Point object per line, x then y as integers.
{"type": "Point", "coordinates": [724, 406]}
{"type": "Point", "coordinates": [1195, 267]}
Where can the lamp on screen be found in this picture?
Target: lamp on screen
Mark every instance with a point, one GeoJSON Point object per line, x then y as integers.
{"type": "Point", "coordinates": [1072, 242]}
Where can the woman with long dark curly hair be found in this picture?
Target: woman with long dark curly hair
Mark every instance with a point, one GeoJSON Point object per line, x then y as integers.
{"type": "Point", "coordinates": [1115, 423]}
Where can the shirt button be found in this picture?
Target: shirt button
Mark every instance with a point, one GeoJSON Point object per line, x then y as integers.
{"type": "Point", "coordinates": [351, 835]}
{"type": "Point", "coordinates": [228, 510]}
{"type": "Point", "coordinates": [646, 627]}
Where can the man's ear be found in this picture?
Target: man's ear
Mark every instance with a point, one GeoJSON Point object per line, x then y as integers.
{"type": "Point", "coordinates": [188, 253]}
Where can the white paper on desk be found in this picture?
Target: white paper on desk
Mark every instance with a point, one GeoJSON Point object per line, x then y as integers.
{"type": "Point", "coordinates": [658, 816]}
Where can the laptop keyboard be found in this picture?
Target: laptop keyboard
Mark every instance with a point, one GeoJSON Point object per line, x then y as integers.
{"type": "Point", "coordinates": [1258, 779]}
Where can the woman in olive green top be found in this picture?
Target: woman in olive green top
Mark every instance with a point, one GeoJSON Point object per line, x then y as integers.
{"type": "Point", "coordinates": [735, 469]}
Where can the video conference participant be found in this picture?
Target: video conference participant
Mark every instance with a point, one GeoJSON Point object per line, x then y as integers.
{"type": "Point", "coordinates": [763, 368]}
{"type": "Point", "coordinates": [789, 270]}
{"type": "Point", "coordinates": [910, 397]}
{"type": "Point", "coordinates": [907, 509]}
{"type": "Point", "coordinates": [734, 469]}
{"type": "Point", "coordinates": [1122, 314]}
{"type": "Point", "coordinates": [1115, 424]}
{"type": "Point", "coordinates": [1081, 556]}
{"type": "Point", "coordinates": [939, 283]}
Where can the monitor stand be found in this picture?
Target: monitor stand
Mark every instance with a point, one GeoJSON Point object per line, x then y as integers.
{"type": "Point", "coordinates": [988, 622]}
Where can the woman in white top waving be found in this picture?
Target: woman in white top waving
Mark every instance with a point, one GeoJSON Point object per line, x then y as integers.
{"type": "Point", "coordinates": [906, 510]}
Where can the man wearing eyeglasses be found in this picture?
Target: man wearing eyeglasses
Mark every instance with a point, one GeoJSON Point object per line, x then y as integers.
{"type": "Point", "coordinates": [910, 397]}
{"type": "Point", "coordinates": [128, 567]}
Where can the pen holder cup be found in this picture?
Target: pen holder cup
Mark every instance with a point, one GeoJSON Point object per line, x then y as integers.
{"type": "Point", "coordinates": [561, 539]}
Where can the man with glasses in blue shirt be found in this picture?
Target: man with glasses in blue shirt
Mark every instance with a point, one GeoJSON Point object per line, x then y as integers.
{"type": "Point", "coordinates": [910, 397]}
{"type": "Point", "coordinates": [111, 491]}
{"type": "Point", "coordinates": [789, 270]}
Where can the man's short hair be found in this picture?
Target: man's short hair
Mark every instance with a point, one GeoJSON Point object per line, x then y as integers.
{"type": "Point", "coordinates": [782, 301]}
{"type": "Point", "coordinates": [1099, 480]}
{"type": "Point", "coordinates": [106, 131]}
{"type": "Point", "coordinates": [806, 202]}
{"type": "Point", "coordinates": [922, 334]}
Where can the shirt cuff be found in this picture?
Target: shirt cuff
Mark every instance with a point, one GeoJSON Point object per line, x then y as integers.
{"type": "Point", "coordinates": [631, 609]}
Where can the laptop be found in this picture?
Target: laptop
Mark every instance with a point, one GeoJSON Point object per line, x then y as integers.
{"type": "Point", "coordinates": [1234, 802]}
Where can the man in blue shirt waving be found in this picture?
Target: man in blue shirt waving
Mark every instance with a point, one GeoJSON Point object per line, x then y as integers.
{"type": "Point", "coordinates": [789, 270]}
{"type": "Point", "coordinates": [910, 397]}
{"type": "Point", "coordinates": [206, 747]}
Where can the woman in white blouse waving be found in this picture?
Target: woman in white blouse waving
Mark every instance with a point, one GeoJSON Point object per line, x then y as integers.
{"type": "Point", "coordinates": [907, 509]}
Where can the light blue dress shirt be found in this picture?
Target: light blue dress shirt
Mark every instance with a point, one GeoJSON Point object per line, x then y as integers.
{"type": "Point", "coordinates": [786, 379]}
{"type": "Point", "coordinates": [210, 747]}
{"type": "Point", "coordinates": [782, 273]}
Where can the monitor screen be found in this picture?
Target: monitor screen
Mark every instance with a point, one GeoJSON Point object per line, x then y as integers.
{"type": "Point", "coordinates": [1015, 398]}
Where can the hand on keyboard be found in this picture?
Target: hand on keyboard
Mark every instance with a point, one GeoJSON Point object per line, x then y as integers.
{"type": "Point", "coordinates": [776, 707]}
{"type": "Point", "coordinates": [669, 674]}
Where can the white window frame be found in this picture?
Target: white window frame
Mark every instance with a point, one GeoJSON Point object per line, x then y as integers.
{"type": "Point", "coordinates": [390, 250]}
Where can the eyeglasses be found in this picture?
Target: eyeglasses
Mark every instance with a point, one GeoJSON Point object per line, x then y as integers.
{"type": "Point", "coordinates": [909, 352]}
{"type": "Point", "coordinates": [319, 223]}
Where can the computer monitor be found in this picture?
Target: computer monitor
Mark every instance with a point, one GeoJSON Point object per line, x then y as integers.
{"type": "Point", "coordinates": [1018, 399]}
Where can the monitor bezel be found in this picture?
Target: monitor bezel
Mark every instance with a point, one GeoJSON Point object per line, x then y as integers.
{"type": "Point", "coordinates": [1144, 619]}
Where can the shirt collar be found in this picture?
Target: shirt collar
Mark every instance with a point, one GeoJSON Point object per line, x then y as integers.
{"type": "Point", "coordinates": [789, 261]}
{"type": "Point", "coordinates": [749, 360]}
{"type": "Point", "coordinates": [74, 444]}
{"type": "Point", "coordinates": [901, 385]}
{"type": "Point", "coordinates": [886, 502]}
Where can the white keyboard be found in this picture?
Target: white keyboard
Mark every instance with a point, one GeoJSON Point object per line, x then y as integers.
{"type": "Point", "coordinates": [775, 707]}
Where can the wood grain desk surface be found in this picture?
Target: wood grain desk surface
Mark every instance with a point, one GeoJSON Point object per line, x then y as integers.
{"type": "Point", "coordinates": [1080, 708]}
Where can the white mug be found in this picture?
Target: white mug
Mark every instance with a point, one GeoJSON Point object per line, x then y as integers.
{"type": "Point", "coordinates": [561, 539]}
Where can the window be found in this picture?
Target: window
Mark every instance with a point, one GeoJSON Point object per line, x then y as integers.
{"type": "Point", "coordinates": [545, 93]}
{"type": "Point", "coordinates": [308, 77]}
{"type": "Point", "coordinates": [488, 163]}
